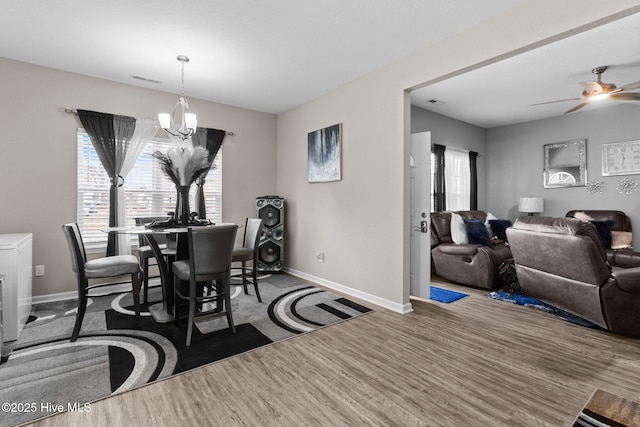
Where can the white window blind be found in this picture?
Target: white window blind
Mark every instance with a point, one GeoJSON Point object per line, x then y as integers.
{"type": "Point", "coordinates": [148, 191]}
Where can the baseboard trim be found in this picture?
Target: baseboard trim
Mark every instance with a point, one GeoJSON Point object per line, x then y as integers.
{"type": "Point", "coordinates": [393, 306]}
{"type": "Point", "coordinates": [126, 287]}
{"type": "Point", "coordinates": [102, 290]}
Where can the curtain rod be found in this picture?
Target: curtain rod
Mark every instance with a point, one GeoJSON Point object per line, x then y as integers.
{"type": "Point", "coordinates": [75, 113]}
{"type": "Point", "coordinates": [458, 149]}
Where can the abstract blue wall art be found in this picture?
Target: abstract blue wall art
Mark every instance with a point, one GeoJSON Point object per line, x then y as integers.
{"type": "Point", "coordinates": [325, 153]}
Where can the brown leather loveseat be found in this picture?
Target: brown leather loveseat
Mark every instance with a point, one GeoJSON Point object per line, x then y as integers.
{"type": "Point", "coordinates": [469, 264]}
{"type": "Point", "coordinates": [561, 261]}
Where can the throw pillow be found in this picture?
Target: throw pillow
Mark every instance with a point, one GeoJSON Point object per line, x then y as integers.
{"type": "Point", "coordinates": [621, 239]}
{"type": "Point", "coordinates": [499, 228]}
{"type": "Point", "coordinates": [583, 216]}
{"type": "Point", "coordinates": [490, 217]}
{"type": "Point", "coordinates": [458, 231]}
{"type": "Point", "coordinates": [604, 231]}
{"type": "Point", "coordinates": [477, 232]}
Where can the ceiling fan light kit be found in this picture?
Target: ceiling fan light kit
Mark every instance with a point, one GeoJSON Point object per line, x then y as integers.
{"type": "Point", "coordinates": [598, 90]}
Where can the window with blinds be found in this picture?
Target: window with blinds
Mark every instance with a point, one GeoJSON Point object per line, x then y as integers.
{"type": "Point", "coordinates": [148, 191]}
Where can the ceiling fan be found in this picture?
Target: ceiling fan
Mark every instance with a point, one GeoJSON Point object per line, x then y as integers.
{"type": "Point", "coordinates": [597, 90]}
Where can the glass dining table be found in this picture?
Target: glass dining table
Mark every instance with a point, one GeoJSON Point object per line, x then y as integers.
{"type": "Point", "coordinates": [161, 312]}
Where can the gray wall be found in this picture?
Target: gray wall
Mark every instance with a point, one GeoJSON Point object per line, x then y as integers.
{"type": "Point", "coordinates": [38, 154]}
{"type": "Point", "coordinates": [515, 162]}
{"type": "Point", "coordinates": [455, 133]}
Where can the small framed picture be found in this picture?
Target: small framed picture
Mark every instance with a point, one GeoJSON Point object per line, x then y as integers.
{"type": "Point", "coordinates": [621, 158]}
{"type": "Point", "coordinates": [325, 154]}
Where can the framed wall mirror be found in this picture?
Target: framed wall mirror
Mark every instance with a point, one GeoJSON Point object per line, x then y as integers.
{"type": "Point", "coordinates": [565, 164]}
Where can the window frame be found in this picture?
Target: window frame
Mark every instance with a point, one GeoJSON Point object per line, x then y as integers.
{"type": "Point", "coordinates": [93, 186]}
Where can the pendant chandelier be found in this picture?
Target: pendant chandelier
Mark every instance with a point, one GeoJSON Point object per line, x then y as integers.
{"type": "Point", "coordinates": [187, 126]}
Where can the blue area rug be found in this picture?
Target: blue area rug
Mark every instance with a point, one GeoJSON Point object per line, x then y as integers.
{"type": "Point", "coordinates": [444, 295]}
{"type": "Point", "coordinates": [527, 301]}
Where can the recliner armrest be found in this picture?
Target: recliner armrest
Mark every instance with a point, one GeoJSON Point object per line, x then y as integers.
{"type": "Point", "coordinates": [458, 249]}
{"type": "Point", "coordinates": [628, 279]}
{"type": "Point", "coordinates": [623, 258]}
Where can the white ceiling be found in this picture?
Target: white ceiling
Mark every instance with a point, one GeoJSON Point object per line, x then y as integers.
{"type": "Point", "coordinates": [502, 93]}
{"type": "Point", "coordinates": [264, 55]}
{"type": "Point", "coordinates": [274, 55]}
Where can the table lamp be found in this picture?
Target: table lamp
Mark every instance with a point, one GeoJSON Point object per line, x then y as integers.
{"type": "Point", "coordinates": [531, 205]}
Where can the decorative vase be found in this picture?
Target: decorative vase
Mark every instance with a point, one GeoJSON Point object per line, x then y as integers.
{"type": "Point", "coordinates": [182, 205]}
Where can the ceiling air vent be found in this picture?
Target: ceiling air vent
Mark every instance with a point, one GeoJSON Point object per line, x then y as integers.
{"type": "Point", "coordinates": [145, 79]}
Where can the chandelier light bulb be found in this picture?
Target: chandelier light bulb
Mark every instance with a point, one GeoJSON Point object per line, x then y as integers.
{"type": "Point", "coordinates": [165, 120]}
{"type": "Point", "coordinates": [190, 120]}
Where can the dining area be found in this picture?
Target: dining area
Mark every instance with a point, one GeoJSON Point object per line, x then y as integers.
{"type": "Point", "coordinates": [193, 254]}
{"type": "Point", "coordinates": [192, 309]}
{"type": "Point", "coordinates": [194, 266]}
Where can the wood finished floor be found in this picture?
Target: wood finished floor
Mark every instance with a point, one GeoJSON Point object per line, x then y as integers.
{"type": "Point", "coordinates": [476, 361]}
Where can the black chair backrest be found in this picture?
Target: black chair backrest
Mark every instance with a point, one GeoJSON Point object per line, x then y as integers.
{"type": "Point", "coordinates": [211, 249]}
{"type": "Point", "coordinates": [76, 246]}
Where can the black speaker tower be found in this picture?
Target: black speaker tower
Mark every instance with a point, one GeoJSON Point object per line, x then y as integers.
{"type": "Point", "coordinates": [271, 245]}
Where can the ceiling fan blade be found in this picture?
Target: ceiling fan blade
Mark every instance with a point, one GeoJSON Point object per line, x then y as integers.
{"type": "Point", "coordinates": [560, 100]}
{"type": "Point", "coordinates": [629, 86]}
{"type": "Point", "coordinates": [577, 107]}
{"type": "Point", "coordinates": [625, 96]}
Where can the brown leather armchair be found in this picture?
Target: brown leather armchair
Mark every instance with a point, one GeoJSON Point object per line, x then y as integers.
{"type": "Point", "coordinates": [467, 264]}
{"type": "Point", "coordinates": [561, 261]}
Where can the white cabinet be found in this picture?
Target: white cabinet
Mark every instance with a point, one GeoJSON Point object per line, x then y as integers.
{"type": "Point", "coordinates": [16, 254]}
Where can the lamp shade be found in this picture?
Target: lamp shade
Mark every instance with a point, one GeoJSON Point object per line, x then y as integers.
{"type": "Point", "coordinates": [191, 121]}
{"type": "Point", "coordinates": [165, 120]}
{"type": "Point", "coordinates": [531, 204]}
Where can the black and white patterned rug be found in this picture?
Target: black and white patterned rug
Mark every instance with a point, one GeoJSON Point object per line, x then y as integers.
{"type": "Point", "coordinates": [46, 373]}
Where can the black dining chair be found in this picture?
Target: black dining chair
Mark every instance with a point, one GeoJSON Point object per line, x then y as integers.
{"type": "Point", "coordinates": [166, 243]}
{"type": "Point", "coordinates": [99, 268]}
{"type": "Point", "coordinates": [206, 275]}
{"type": "Point", "coordinates": [249, 252]}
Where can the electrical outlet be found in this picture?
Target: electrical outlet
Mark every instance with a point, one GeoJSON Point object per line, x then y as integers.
{"type": "Point", "coordinates": [39, 270]}
{"type": "Point", "coordinates": [320, 256]}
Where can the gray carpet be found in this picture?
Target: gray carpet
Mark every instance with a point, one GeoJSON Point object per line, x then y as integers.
{"type": "Point", "coordinates": [46, 373]}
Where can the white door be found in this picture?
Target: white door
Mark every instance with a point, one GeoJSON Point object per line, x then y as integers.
{"type": "Point", "coordinates": [420, 207]}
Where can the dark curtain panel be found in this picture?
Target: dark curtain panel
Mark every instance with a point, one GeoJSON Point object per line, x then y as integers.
{"type": "Point", "coordinates": [439, 199]}
{"type": "Point", "coordinates": [211, 139]}
{"type": "Point", "coordinates": [110, 136]}
{"type": "Point", "coordinates": [473, 157]}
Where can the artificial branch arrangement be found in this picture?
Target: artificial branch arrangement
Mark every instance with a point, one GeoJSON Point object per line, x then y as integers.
{"type": "Point", "coordinates": [184, 163]}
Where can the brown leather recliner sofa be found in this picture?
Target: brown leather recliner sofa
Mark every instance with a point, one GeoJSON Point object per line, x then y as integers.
{"type": "Point", "coordinates": [469, 264]}
{"type": "Point", "coordinates": [619, 221]}
{"type": "Point", "coordinates": [561, 261]}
